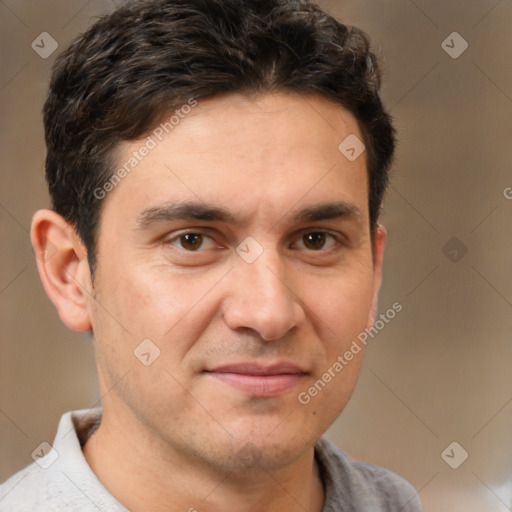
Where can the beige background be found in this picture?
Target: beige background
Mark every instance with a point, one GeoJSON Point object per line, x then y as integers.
{"type": "Point", "coordinates": [437, 373]}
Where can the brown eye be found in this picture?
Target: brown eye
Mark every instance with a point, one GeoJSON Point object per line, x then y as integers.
{"type": "Point", "coordinates": [314, 241]}
{"type": "Point", "coordinates": [191, 241]}
{"type": "Point", "coordinates": [318, 240]}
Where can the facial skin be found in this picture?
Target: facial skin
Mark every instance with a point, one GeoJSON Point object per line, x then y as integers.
{"type": "Point", "coordinates": [176, 432]}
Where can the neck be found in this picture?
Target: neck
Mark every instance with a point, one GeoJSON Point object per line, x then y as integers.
{"type": "Point", "coordinates": [143, 474]}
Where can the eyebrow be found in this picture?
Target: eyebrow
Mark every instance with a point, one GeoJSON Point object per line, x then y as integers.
{"type": "Point", "coordinates": [196, 210]}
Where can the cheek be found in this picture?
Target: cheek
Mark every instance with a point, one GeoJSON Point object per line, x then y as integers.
{"type": "Point", "coordinates": [143, 304]}
{"type": "Point", "coordinates": [170, 309]}
{"type": "Point", "coordinates": [342, 307]}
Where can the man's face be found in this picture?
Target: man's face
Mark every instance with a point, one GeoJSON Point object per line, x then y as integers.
{"type": "Point", "coordinates": [243, 325]}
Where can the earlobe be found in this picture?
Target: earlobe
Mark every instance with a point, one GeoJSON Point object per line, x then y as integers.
{"type": "Point", "coordinates": [63, 268]}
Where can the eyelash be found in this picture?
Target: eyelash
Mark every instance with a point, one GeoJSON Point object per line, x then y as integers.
{"type": "Point", "coordinates": [338, 239]}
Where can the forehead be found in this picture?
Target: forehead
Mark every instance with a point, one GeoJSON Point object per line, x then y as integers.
{"type": "Point", "coordinates": [258, 155]}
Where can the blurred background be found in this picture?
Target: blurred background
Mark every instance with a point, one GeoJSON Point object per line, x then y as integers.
{"type": "Point", "coordinates": [434, 400]}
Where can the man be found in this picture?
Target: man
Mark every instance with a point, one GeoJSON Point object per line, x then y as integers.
{"type": "Point", "coordinates": [216, 170]}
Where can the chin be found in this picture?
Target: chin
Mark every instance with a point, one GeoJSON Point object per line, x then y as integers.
{"type": "Point", "coordinates": [258, 452]}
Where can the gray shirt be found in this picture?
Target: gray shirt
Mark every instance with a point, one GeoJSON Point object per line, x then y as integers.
{"type": "Point", "coordinates": [61, 479]}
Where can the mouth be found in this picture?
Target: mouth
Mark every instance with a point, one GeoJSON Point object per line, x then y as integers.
{"type": "Point", "coordinates": [260, 380]}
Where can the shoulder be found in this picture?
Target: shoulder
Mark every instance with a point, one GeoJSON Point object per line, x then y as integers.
{"type": "Point", "coordinates": [391, 490]}
{"type": "Point", "coordinates": [29, 490]}
{"type": "Point", "coordinates": [60, 479]}
{"type": "Point", "coordinates": [362, 486]}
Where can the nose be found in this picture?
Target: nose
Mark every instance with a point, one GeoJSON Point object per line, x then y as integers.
{"type": "Point", "coordinates": [262, 299]}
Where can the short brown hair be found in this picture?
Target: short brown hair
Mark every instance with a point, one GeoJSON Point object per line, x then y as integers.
{"type": "Point", "coordinates": [146, 59]}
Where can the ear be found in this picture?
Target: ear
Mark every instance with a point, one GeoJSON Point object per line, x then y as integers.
{"type": "Point", "coordinates": [378, 256]}
{"type": "Point", "coordinates": [63, 268]}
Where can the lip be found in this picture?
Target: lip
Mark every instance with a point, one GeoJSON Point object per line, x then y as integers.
{"type": "Point", "coordinates": [260, 380]}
